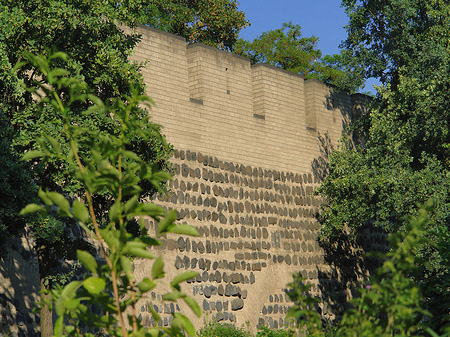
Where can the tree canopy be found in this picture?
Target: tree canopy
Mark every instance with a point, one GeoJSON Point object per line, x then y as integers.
{"type": "Point", "coordinates": [288, 49]}
{"type": "Point", "coordinates": [214, 23]}
{"type": "Point", "coordinates": [403, 160]}
{"type": "Point", "coordinates": [99, 52]}
{"type": "Point", "coordinates": [91, 34]}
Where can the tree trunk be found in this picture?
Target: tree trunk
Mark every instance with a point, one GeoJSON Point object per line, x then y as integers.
{"type": "Point", "coordinates": [46, 314]}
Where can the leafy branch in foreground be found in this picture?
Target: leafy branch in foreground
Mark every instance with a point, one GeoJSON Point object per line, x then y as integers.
{"type": "Point", "coordinates": [103, 164]}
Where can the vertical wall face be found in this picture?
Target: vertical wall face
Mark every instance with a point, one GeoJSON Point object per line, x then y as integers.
{"type": "Point", "coordinates": [19, 288]}
{"type": "Point", "coordinates": [251, 143]}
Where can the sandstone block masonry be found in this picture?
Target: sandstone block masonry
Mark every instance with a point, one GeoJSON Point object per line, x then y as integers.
{"type": "Point", "coordinates": [251, 146]}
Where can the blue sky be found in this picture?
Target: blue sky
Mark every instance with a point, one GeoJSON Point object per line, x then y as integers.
{"type": "Point", "coordinates": [322, 18]}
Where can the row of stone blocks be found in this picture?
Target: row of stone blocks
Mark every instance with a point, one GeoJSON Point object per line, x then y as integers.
{"type": "Point", "coordinates": [214, 247]}
{"type": "Point", "coordinates": [254, 185]}
{"type": "Point", "coordinates": [208, 175]}
{"type": "Point", "coordinates": [246, 208]}
{"type": "Point", "coordinates": [213, 162]}
{"type": "Point", "coordinates": [299, 197]}
{"type": "Point", "coordinates": [245, 219]}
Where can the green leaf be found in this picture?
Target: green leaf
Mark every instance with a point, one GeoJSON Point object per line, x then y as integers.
{"type": "Point", "coordinates": [140, 252]}
{"type": "Point", "coordinates": [183, 229]}
{"type": "Point", "coordinates": [126, 266]}
{"type": "Point", "coordinates": [139, 333]}
{"type": "Point", "coordinates": [173, 296]}
{"type": "Point", "coordinates": [67, 293]}
{"type": "Point", "coordinates": [80, 211]}
{"type": "Point", "coordinates": [131, 204]}
{"type": "Point", "coordinates": [183, 277]}
{"type": "Point", "coordinates": [112, 241]}
{"type": "Point", "coordinates": [152, 210]}
{"type": "Point", "coordinates": [69, 290]}
{"type": "Point", "coordinates": [185, 323]}
{"type": "Point", "coordinates": [193, 305]}
{"type": "Point", "coordinates": [54, 74]}
{"type": "Point", "coordinates": [54, 143]}
{"type": "Point", "coordinates": [154, 332]}
{"type": "Point", "coordinates": [32, 208]}
{"type": "Point", "coordinates": [44, 197]}
{"type": "Point", "coordinates": [131, 155]}
{"type": "Point", "coordinates": [59, 200]}
{"type": "Point", "coordinates": [94, 285]}
{"type": "Point", "coordinates": [87, 260]}
{"type": "Point", "coordinates": [161, 176]}
{"type": "Point", "coordinates": [59, 326]}
{"type": "Point", "coordinates": [72, 304]}
{"type": "Point", "coordinates": [168, 220]}
{"type": "Point", "coordinates": [115, 212]}
{"type": "Point", "coordinates": [59, 54]}
{"type": "Point", "coordinates": [155, 315]}
{"type": "Point", "coordinates": [32, 154]}
{"type": "Point", "coordinates": [136, 243]}
{"type": "Point", "coordinates": [157, 269]}
{"type": "Point", "coordinates": [146, 285]}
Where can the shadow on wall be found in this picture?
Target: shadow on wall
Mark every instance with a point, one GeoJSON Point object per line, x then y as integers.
{"type": "Point", "coordinates": [346, 106]}
{"type": "Point", "coordinates": [348, 264]}
{"type": "Point", "coordinates": [19, 288]}
{"type": "Point", "coordinates": [319, 165]}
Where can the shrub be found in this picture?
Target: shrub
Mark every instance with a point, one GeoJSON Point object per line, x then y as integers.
{"type": "Point", "coordinates": [215, 329]}
{"type": "Point", "coordinates": [103, 164]}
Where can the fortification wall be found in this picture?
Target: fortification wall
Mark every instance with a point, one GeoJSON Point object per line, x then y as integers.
{"type": "Point", "coordinates": [251, 146]}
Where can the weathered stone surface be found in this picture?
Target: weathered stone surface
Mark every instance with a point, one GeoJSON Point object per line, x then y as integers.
{"type": "Point", "coordinates": [181, 244]}
{"type": "Point", "coordinates": [222, 218]}
{"type": "Point", "coordinates": [228, 289]}
{"type": "Point", "coordinates": [237, 304]}
{"type": "Point", "coordinates": [220, 290]}
{"type": "Point", "coordinates": [178, 263]}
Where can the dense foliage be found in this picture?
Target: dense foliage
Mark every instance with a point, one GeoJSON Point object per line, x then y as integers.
{"type": "Point", "coordinates": [404, 157]}
{"type": "Point", "coordinates": [90, 33]}
{"type": "Point", "coordinates": [217, 329]}
{"type": "Point", "coordinates": [15, 183]}
{"type": "Point", "coordinates": [215, 23]}
{"type": "Point", "coordinates": [99, 53]}
{"type": "Point", "coordinates": [287, 49]}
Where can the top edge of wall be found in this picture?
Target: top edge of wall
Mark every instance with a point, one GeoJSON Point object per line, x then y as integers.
{"type": "Point", "coordinates": [265, 65]}
{"type": "Point", "coordinates": [220, 51]}
{"type": "Point", "coordinates": [243, 58]}
{"type": "Point", "coordinates": [161, 32]}
{"type": "Point", "coordinates": [361, 96]}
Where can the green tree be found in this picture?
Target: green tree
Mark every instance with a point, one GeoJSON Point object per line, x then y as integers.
{"type": "Point", "coordinates": [403, 160]}
{"type": "Point", "coordinates": [214, 23]}
{"type": "Point", "coordinates": [15, 183]}
{"type": "Point", "coordinates": [90, 33]}
{"type": "Point", "coordinates": [286, 48]}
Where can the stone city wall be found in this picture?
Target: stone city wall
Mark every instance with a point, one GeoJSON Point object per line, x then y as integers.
{"type": "Point", "coordinates": [251, 146]}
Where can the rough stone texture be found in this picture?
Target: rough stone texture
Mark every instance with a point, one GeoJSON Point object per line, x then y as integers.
{"type": "Point", "coordinates": [251, 139]}
{"type": "Point", "coordinates": [19, 288]}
